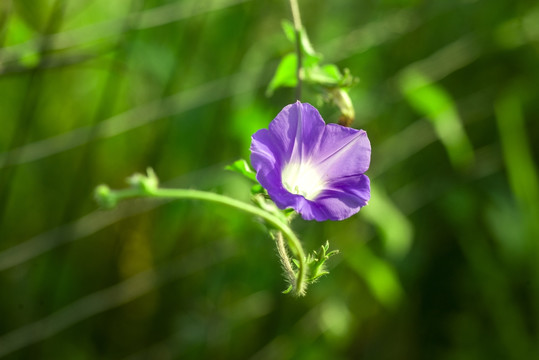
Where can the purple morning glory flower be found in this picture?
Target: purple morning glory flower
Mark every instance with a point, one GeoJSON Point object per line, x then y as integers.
{"type": "Point", "coordinates": [313, 168]}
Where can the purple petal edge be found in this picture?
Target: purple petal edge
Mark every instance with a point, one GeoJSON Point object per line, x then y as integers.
{"type": "Point", "coordinates": [298, 132]}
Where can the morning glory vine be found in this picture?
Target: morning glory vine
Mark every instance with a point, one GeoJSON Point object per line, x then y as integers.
{"type": "Point", "coordinates": [300, 165]}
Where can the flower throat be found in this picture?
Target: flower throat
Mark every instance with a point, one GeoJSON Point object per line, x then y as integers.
{"type": "Point", "coordinates": [302, 179]}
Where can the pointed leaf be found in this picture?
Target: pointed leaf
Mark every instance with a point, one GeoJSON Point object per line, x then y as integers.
{"type": "Point", "coordinates": [242, 166]}
{"type": "Point", "coordinates": [327, 75]}
{"type": "Point", "coordinates": [285, 75]}
{"type": "Point", "coordinates": [289, 31]}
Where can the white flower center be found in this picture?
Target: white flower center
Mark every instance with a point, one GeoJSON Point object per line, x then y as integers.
{"type": "Point", "coordinates": [302, 179]}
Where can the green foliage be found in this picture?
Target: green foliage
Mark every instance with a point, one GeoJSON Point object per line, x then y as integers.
{"type": "Point", "coordinates": [378, 274]}
{"type": "Point", "coordinates": [148, 186]}
{"type": "Point", "coordinates": [241, 166]}
{"type": "Point", "coordinates": [326, 77]}
{"type": "Point", "coordinates": [285, 75]}
{"type": "Point", "coordinates": [35, 13]}
{"type": "Point", "coordinates": [316, 261]}
{"type": "Point", "coordinates": [522, 172]}
{"type": "Point", "coordinates": [441, 264]}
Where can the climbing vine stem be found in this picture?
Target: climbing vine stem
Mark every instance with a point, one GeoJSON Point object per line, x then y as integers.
{"type": "Point", "coordinates": [147, 186]}
{"type": "Point", "coordinates": [296, 17]}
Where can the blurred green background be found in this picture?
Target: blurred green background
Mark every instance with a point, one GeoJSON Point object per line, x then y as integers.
{"type": "Point", "coordinates": [442, 264]}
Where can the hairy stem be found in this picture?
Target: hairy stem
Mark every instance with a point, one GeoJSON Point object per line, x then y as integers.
{"type": "Point", "coordinates": [285, 259]}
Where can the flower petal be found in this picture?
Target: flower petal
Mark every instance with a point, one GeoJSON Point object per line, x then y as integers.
{"type": "Point", "coordinates": [343, 152]}
{"type": "Point", "coordinates": [341, 201]}
{"type": "Point", "coordinates": [314, 168]}
{"type": "Point", "coordinates": [265, 152]}
{"type": "Point", "coordinates": [266, 158]}
{"type": "Point", "coordinates": [298, 129]}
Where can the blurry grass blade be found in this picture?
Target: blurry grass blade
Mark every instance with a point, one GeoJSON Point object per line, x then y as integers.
{"type": "Point", "coordinates": [531, 25]}
{"type": "Point", "coordinates": [336, 318]}
{"type": "Point", "coordinates": [518, 31]}
{"type": "Point", "coordinates": [131, 119]}
{"type": "Point", "coordinates": [438, 107]}
{"type": "Point", "coordinates": [95, 221]}
{"type": "Point", "coordinates": [149, 18]}
{"type": "Point", "coordinates": [242, 166]}
{"type": "Point", "coordinates": [517, 153]}
{"type": "Point", "coordinates": [370, 35]}
{"type": "Point", "coordinates": [448, 59]}
{"type": "Point", "coordinates": [35, 13]}
{"type": "Point", "coordinates": [396, 230]}
{"type": "Point", "coordinates": [380, 276]}
{"type": "Point", "coordinates": [112, 297]}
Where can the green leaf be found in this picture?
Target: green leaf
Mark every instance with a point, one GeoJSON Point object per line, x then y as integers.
{"type": "Point", "coordinates": [285, 75]}
{"type": "Point", "coordinates": [310, 61]}
{"type": "Point", "coordinates": [289, 31]}
{"type": "Point", "coordinates": [242, 166]}
{"type": "Point", "coordinates": [332, 71]}
{"type": "Point", "coordinates": [306, 45]}
{"type": "Point", "coordinates": [327, 75]}
{"type": "Point", "coordinates": [257, 189]}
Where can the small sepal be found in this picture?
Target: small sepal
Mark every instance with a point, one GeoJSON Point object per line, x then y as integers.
{"type": "Point", "coordinates": [105, 197]}
{"type": "Point", "coordinates": [148, 183]}
{"type": "Point", "coordinates": [287, 291]}
{"type": "Point", "coordinates": [316, 262]}
{"type": "Point", "coordinates": [257, 189]}
{"type": "Point", "coordinates": [262, 200]}
{"type": "Point", "coordinates": [241, 166]}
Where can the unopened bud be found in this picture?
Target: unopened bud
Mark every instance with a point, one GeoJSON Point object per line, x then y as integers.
{"type": "Point", "coordinates": [105, 197]}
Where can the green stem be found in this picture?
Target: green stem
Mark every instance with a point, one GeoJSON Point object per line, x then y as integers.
{"type": "Point", "coordinates": [297, 27]}
{"type": "Point", "coordinates": [293, 241]}
{"type": "Point", "coordinates": [285, 259]}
